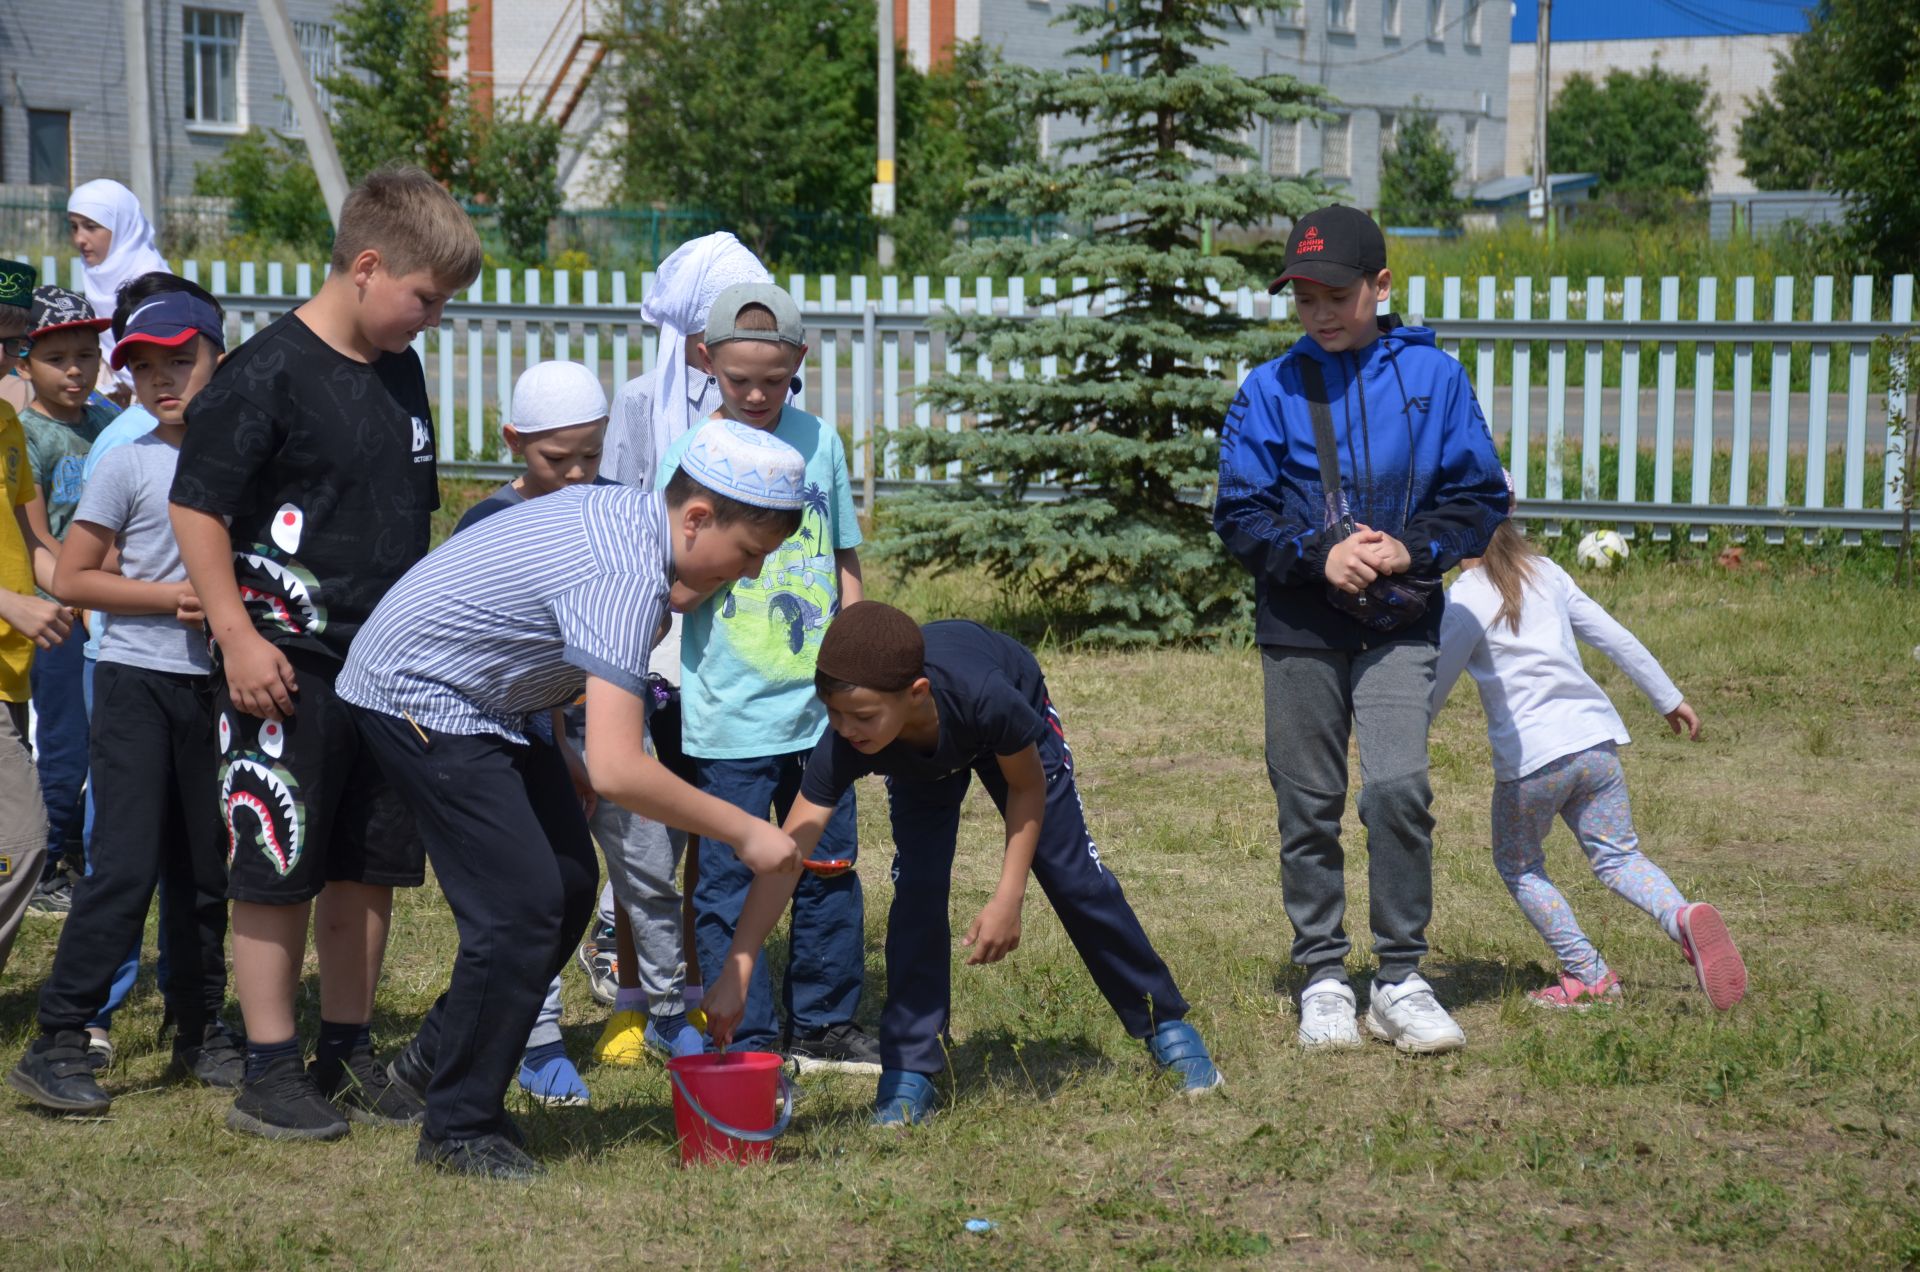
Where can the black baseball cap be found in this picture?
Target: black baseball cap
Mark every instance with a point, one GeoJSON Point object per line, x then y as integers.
{"type": "Point", "coordinates": [1336, 245]}
{"type": "Point", "coordinates": [57, 309]}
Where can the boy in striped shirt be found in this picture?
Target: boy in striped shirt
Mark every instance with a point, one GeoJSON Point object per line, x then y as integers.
{"type": "Point", "coordinates": [453, 684]}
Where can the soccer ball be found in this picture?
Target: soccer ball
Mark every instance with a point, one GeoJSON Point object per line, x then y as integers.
{"type": "Point", "coordinates": [1601, 550]}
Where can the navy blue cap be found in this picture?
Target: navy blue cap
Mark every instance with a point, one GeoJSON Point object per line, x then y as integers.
{"type": "Point", "coordinates": [169, 319]}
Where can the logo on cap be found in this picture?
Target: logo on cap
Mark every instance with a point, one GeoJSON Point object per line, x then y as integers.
{"type": "Point", "coordinates": [1311, 240]}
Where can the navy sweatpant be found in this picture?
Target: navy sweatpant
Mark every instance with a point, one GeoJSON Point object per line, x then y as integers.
{"type": "Point", "coordinates": [510, 847]}
{"type": "Point", "coordinates": [1082, 891]}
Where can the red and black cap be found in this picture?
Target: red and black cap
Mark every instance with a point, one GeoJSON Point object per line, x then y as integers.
{"type": "Point", "coordinates": [169, 319]}
{"type": "Point", "coordinates": [1336, 245]}
{"type": "Point", "coordinates": [57, 309]}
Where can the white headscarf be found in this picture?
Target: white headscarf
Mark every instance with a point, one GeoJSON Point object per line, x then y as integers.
{"type": "Point", "coordinates": [131, 253]}
{"type": "Point", "coordinates": [683, 293]}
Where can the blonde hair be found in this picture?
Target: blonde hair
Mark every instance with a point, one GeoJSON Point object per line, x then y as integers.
{"type": "Point", "coordinates": [1509, 562]}
{"type": "Point", "coordinates": [402, 213]}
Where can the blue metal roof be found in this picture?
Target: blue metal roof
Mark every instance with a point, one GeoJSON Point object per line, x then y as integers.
{"type": "Point", "coordinates": [1512, 191]}
{"type": "Point", "coordinates": [1656, 19]}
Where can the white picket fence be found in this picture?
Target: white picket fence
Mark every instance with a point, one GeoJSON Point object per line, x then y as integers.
{"type": "Point", "coordinates": [870, 352]}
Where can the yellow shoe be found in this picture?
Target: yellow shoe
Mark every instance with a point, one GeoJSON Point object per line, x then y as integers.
{"type": "Point", "coordinates": [624, 1040]}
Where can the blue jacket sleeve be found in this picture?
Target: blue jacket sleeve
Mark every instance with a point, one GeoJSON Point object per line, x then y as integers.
{"type": "Point", "coordinates": [1468, 500]}
{"type": "Point", "coordinates": [1269, 525]}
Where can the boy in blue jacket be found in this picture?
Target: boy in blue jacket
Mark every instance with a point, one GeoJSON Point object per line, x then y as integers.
{"type": "Point", "coordinates": [1349, 607]}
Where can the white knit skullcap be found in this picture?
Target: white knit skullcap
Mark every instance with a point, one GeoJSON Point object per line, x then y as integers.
{"type": "Point", "coordinates": [550, 395]}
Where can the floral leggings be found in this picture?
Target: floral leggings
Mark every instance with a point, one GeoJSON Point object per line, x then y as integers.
{"type": "Point", "coordinates": [1589, 790]}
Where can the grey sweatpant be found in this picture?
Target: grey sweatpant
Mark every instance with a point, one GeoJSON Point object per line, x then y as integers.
{"type": "Point", "coordinates": [23, 824]}
{"type": "Point", "coordinates": [1313, 698]}
{"type": "Point", "coordinates": [643, 867]}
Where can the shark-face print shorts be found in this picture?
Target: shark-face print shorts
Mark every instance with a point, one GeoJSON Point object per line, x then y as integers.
{"type": "Point", "coordinates": [304, 801]}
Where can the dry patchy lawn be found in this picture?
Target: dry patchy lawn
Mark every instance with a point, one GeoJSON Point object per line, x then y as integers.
{"type": "Point", "coordinates": [1652, 1134]}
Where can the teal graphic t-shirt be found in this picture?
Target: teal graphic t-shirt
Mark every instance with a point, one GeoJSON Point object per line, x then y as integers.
{"type": "Point", "coordinates": [747, 655]}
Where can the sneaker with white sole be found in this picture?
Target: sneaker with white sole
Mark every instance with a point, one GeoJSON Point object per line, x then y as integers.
{"type": "Point", "coordinates": [1411, 1018]}
{"type": "Point", "coordinates": [1327, 1016]}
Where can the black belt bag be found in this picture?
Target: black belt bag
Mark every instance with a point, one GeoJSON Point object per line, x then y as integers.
{"type": "Point", "coordinates": [1390, 602]}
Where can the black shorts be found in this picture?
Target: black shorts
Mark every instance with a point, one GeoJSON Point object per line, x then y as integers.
{"type": "Point", "coordinates": [304, 801]}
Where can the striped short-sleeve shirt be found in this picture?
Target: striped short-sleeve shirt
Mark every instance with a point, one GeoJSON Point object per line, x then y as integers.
{"type": "Point", "coordinates": [510, 616]}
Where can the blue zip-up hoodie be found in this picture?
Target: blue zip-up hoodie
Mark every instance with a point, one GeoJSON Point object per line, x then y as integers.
{"type": "Point", "coordinates": [1416, 460]}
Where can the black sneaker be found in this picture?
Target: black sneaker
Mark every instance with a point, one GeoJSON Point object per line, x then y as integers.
{"type": "Point", "coordinates": [486, 1156]}
{"type": "Point", "coordinates": [218, 1058]}
{"type": "Point", "coordinates": [283, 1103]}
{"type": "Point", "coordinates": [54, 1074]}
{"type": "Point", "coordinates": [842, 1048]}
{"type": "Point", "coordinates": [410, 1071]}
{"type": "Point", "coordinates": [99, 1053]}
{"type": "Point", "coordinates": [363, 1090]}
{"type": "Point", "coordinates": [54, 894]}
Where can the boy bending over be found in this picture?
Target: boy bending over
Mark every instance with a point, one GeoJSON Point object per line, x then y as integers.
{"type": "Point", "coordinates": [930, 708]}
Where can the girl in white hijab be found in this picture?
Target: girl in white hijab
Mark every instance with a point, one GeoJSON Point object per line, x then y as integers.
{"type": "Point", "coordinates": [651, 411]}
{"type": "Point", "coordinates": [115, 240]}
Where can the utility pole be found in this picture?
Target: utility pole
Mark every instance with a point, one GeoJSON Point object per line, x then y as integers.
{"type": "Point", "coordinates": [883, 202]}
{"type": "Point", "coordinates": [1540, 203]}
{"type": "Point", "coordinates": [314, 128]}
{"type": "Point", "coordinates": [133, 20]}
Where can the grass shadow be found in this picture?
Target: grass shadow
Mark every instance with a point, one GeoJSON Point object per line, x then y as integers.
{"type": "Point", "coordinates": [998, 1059]}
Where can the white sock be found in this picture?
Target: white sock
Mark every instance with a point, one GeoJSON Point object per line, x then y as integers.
{"type": "Point", "coordinates": [625, 999]}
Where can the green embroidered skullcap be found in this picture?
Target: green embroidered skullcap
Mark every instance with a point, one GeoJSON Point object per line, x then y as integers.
{"type": "Point", "coordinates": [16, 283]}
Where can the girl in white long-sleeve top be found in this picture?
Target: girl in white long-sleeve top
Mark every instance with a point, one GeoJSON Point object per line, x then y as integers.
{"type": "Point", "coordinates": [1511, 622]}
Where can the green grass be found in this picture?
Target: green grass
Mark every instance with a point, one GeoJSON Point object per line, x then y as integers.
{"type": "Point", "coordinates": [1652, 1134]}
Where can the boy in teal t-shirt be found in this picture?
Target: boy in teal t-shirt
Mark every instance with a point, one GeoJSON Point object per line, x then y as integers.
{"type": "Point", "coordinates": [749, 713]}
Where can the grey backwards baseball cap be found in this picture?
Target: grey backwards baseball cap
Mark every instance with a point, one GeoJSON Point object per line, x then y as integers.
{"type": "Point", "coordinates": [723, 319]}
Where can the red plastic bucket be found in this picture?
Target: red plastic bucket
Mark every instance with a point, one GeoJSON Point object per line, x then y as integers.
{"type": "Point", "coordinates": [729, 1108]}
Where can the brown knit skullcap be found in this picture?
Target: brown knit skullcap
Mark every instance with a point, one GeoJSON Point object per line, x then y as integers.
{"type": "Point", "coordinates": [873, 646]}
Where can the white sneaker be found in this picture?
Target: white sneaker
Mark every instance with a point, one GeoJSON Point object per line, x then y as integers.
{"type": "Point", "coordinates": [1327, 1016]}
{"type": "Point", "coordinates": [1411, 1018]}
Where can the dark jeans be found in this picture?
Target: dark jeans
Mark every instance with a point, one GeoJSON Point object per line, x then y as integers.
{"type": "Point", "coordinates": [1079, 887]}
{"type": "Point", "coordinates": [60, 737]}
{"type": "Point", "coordinates": [155, 758]}
{"type": "Point", "coordinates": [509, 845]}
{"type": "Point", "coordinates": [1313, 698]}
{"type": "Point", "coordinates": [826, 961]}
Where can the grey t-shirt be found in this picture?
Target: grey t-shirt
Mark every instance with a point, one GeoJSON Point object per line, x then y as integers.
{"type": "Point", "coordinates": [128, 495]}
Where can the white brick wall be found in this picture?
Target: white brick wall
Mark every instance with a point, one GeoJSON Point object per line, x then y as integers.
{"type": "Point", "coordinates": [1737, 67]}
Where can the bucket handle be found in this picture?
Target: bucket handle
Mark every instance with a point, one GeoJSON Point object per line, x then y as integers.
{"type": "Point", "coordinates": [733, 1132]}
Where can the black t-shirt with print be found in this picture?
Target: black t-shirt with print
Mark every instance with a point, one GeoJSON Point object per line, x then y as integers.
{"type": "Point", "coordinates": [991, 698]}
{"type": "Point", "coordinates": [324, 467]}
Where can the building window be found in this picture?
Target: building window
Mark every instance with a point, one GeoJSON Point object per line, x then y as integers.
{"type": "Point", "coordinates": [1436, 19]}
{"type": "Point", "coordinates": [1390, 19]}
{"type": "Point", "coordinates": [1336, 148]}
{"type": "Point", "coordinates": [317, 50]}
{"type": "Point", "coordinates": [211, 51]}
{"type": "Point", "coordinates": [1471, 150]}
{"type": "Point", "coordinates": [1340, 15]}
{"type": "Point", "coordinates": [50, 148]}
{"type": "Point", "coordinates": [1283, 149]}
{"type": "Point", "coordinates": [1473, 23]}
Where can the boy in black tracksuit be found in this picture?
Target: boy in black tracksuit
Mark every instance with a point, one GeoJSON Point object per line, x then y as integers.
{"type": "Point", "coordinates": [1420, 488]}
{"type": "Point", "coordinates": [931, 708]}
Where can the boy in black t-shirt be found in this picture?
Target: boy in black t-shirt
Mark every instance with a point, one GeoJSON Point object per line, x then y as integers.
{"type": "Point", "coordinates": [930, 708]}
{"type": "Point", "coordinates": [304, 491]}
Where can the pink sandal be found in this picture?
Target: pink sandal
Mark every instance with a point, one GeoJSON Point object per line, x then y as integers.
{"type": "Point", "coordinates": [1572, 992]}
{"type": "Point", "coordinates": [1707, 945]}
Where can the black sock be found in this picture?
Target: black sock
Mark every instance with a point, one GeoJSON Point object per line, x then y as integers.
{"type": "Point", "coordinates": [262, 1054]}
{"type": "Point", "coordinates": [337, 1042]}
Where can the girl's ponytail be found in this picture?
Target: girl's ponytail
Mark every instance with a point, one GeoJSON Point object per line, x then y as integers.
{"type": "Point", "coordinates": [1509, 562]}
